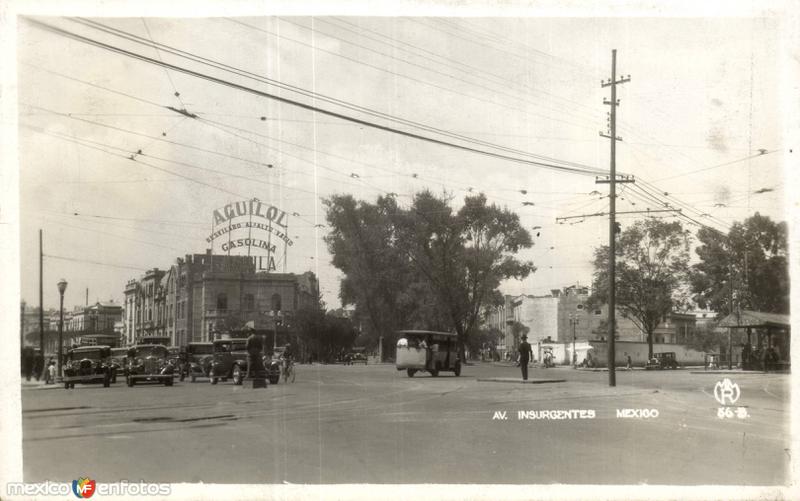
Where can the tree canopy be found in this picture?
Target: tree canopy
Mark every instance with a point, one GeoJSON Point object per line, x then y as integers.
{"type": "Point", "coordinates": [426, 264]}
{"type": "Point", "coordinates": [652, 266]}
{"type": "Point", "coordinates": [749, 264]}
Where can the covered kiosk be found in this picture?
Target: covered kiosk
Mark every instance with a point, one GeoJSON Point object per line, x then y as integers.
{"type": "Point", "coordinates": [771, 350]}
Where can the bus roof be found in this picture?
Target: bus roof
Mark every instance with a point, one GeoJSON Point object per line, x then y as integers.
{"type": "Point", "coordinates": [90, 347]}
{"type": "Point", "coordinates": [425, 333]}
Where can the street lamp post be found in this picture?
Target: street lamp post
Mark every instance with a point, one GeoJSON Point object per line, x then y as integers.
{"type": "Point", "coordinates": [62, 286]}
{"type": "Point", "coordinates": [277, 320]}
{"type": "Point", "coordinates": [573, 320]}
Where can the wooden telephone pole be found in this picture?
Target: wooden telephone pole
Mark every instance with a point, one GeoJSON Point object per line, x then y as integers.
{"type": "Point", "coordinates": [612, 230]}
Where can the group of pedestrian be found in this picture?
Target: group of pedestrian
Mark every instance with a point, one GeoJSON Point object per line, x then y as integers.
{"type": "Point", "coordinates": [32, 365]}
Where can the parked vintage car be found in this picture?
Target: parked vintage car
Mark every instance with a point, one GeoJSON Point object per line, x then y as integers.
{"type": "Point", "coordinates": [356, 357]}
{"type": "Point", "coordinates": [229, 360]}
{"type": "Point", "coordinates": [88, 364]}
{"type": "Point", "coordinates": [664, 360]}
{"type": "Point", "coordinates": [176, 358]}
{"type": "Point", "coordinates": [119, 358]}
{"type": "Point", "coordinates": [199, 357]}
{"type": "Point", "coordinates": [149, 362]}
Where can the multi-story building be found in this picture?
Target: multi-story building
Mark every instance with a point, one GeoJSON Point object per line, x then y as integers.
{"type": "Point", "coordinates": [92, 324]}
{"type": "Point", "coordinates": [501, 318]}
{"type": "Point", "coordinates": [566, 314]}
{"type": "Point", "coordinates": [539, 314]}
{"type": "Point", "coordinates": [29, 321]}
{"type": "Point", "coordinates": [203, 294]}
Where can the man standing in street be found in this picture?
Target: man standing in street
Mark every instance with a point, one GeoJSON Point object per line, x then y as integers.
{"type": "Point", "coordinates": [525, 354]}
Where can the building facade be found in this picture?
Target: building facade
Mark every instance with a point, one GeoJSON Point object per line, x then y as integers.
{"type": "Point", "coordinates": [202, 295]}
{"type": "Point", "coordinates": [566, 316]}
{"type": "Point", "coordinates": [539, 314]}
{"type": "Point", "coordinates": [501, 318]}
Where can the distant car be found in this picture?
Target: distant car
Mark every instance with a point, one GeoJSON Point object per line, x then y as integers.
{"type": "Point", "coordinates": [664, 360]}
{"type": "Point", "coordinates": [199, 357]}
{"type": "Point", "coordinates": [119, 358]}
{"type": "Point", "coordinates": [88, 364]}
{"type": "Point", "coordinates": [230, 360]}
{"type": "Point", "coordinates": [150, 363]}
{"type": "Point", "coordinates": [356, 358]}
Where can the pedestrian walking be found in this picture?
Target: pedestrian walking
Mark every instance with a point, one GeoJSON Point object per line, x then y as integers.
{"type": "Point", "coordinates": [525, 354]}
{"type": "Point", "coordinates": [51, 373]}
{"type": "Point", "coordinates": [630, 363]}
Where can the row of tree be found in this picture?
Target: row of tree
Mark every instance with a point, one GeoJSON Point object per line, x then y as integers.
{"type": "Point", "coordinates": [429, 266]}
{"type": "Point", "coordinates": [747, 269]}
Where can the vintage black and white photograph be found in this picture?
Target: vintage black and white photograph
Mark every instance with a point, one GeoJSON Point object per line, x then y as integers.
{"type": "Point", "coordinates": [472, 246]}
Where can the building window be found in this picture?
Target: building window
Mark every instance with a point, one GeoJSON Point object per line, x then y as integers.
{"type": "Point", "coordinates": [222, 301]}
{"type": "Point", "coordinates": [276, 302]}
{"type": "Point", "coordinates": [249, 302]}
{"type": "Point", "coordinates": [598, 312]}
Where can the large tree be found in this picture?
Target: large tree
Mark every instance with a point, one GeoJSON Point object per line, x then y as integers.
{"type": "Point", "coordinates": [749, 264]}
{"type": "Point", "coordinates": [361, 241]}
{"type": "Point", "coordinates": [425, 266]}
{"type": "Point", "coordinates": [652, 265]}
{"type": "Point", "coordinates": [387, 292]}
{"type": "Point", "coordinates": [463, 255]}
{"type": "Point", "coordinates": [324, 335]}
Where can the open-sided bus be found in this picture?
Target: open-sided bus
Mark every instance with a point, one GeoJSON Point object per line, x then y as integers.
{"type": "Point", "coordinates": [427, 351]}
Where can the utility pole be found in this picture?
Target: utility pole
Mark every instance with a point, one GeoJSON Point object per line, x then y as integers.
{"type": "Point", "coordinates": [612, 180]}
{"type": "Point", "coordinates": [41, 306]}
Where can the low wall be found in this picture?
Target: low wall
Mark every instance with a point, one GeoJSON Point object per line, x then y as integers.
{"type": "Point", "coordinates": [562, 352]}
{"type": "Point", "coordinates": [638, 353]}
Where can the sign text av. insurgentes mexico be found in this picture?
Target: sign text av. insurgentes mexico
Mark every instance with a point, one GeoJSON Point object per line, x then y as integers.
{"type": "Point", "coordinates": [251, 225]}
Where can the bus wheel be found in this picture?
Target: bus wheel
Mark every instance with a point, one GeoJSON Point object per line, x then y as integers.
{"type": "Point", "coordinates": [457, 370]}
{"type": "Point", "coordinates": [411, 372]}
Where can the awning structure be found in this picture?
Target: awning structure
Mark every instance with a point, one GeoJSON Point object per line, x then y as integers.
{"type": "Point", "coordinates": [773, 338]}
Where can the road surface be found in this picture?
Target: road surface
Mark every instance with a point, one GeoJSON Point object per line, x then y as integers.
{"type": "Point", "coordinates": [373, 424]}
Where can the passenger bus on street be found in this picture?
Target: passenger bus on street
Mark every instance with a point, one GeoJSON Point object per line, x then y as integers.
{"type": "Point", "coordinates": [431, 351]}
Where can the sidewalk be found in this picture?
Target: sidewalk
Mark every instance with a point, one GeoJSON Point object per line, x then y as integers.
{"type": "Point", "coordinates": [734, 371]}
{"type": "Point", "coordinates": [33, 384]}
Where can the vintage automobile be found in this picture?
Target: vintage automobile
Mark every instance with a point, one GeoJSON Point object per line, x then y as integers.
{"type": "Point", "coordinates": [119, 362]}
{"type": "Point", "coordinates": [229, 360]}
{"type": "Point", "coordinates": [430, 351]}
{"type": "Point", "coordinates": [88, 364]}
{"type": "Point", "coordinates": [664, 360]}
{"type": "Point", "coordinates": [198, 359]}
{"type": "Point", "coordinates": [176, 358]}
{"type": "Point", "coordinates": [356, 357]}
{"type": "Point", "coordinates": [151, 363]}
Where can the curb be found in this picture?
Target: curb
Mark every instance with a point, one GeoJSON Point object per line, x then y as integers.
{"type": "Point", "coordinates": [42, 386]}
{"type": "Point", "coordinates": [514, 380]}
{"type": "Point", "coordinates": [734, 372]}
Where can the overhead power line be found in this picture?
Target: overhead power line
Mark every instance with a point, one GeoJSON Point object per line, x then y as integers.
{"type": "Point", "coordinates": [308, 107]}
{"type": "Point", "coordinates": [466, 187]}
{"type": "Point", "coordinates": [307, 93]}
{"type": "Point", "coordinates": [77, 260]}
{"type": "Point", "coordinates": [471, 71]}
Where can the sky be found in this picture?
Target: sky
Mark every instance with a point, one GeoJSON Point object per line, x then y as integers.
{"type": "Point", "coordinates": [701, 119]}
